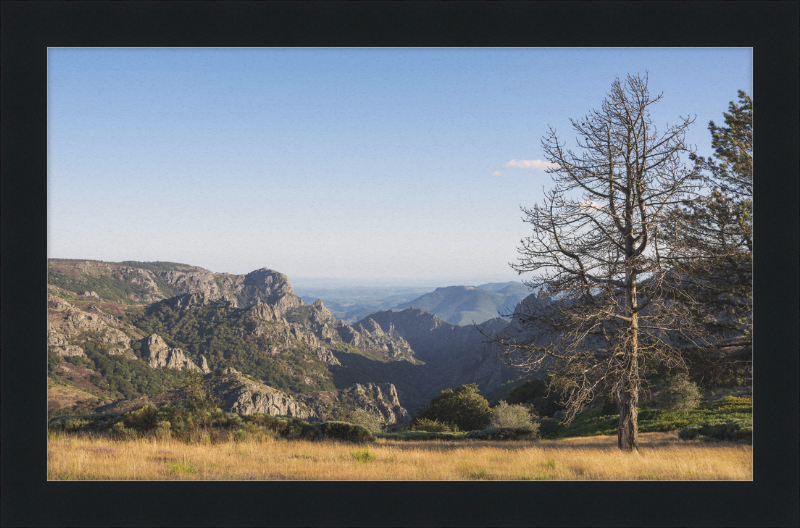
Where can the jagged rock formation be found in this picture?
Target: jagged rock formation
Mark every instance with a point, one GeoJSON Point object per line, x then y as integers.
{"type": "Point", "coordinates": [158, 355]}
{"type": "Point", "coordinates": [375, 397]}
{"type": "Point", "coordinates": [245, 396]}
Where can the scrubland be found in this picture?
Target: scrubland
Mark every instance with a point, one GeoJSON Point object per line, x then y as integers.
{"type": "Point", "coordinates": [662, 456]}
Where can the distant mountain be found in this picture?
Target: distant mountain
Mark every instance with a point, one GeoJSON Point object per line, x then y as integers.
{"type": "Point", "coordinates": [461, 305]}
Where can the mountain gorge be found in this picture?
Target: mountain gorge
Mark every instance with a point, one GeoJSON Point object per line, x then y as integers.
{"type": "Point", "coordinates": [125, 333]}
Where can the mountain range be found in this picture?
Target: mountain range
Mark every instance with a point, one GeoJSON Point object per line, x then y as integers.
{"type": "Point", "coordinates": [465, 305]}
{"type": "Point", "coordinates": [120, 334]}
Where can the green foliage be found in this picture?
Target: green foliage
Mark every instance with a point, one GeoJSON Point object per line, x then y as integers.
{"type": "Point", "coordinates": [363, 456]}
{"type": "Point", "coordinates": [502, 433]}
{"type": "Point", "coordinates": [535, 392]}
{"type": "Point", "coordinates": [53, 361]}
{"type": "Point", "coordinates": [463, 407]}
{"type": "Point", "coordinates": [549, 427]}
{"type": "Point", "coordinates": [345, 431]}
{"type": "Point", "coordinates": [740, 431]}
{"type": "Point", "coordinates": [371, 421]}
{"type": "Point", "coordinates": [514, 416]}
{"type": "Point", "coordinates": [679, 394]}
{"type": "Point", "coordinates": [198, 394]}
{"type": "Point", "coordinates": [610, 405]}
{"type": "Point", "coordinates": [81, 422]}
{"type": "Point", "coordinates": [432, 426]}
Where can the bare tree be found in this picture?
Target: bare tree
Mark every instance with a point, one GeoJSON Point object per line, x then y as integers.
{"type": "Point", "coordinates": [596, 249]}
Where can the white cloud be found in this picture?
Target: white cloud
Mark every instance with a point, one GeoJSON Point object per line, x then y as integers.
{"type": "Point", "coordinates": [589, 204]}
{"type": "Point", "coordinates": [530, 164]}
{"type": "Point", "coordinates": [497, 173]}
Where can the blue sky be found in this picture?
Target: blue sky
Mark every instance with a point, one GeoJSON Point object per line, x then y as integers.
{"type": "Point", "coordinates": [381, 165]}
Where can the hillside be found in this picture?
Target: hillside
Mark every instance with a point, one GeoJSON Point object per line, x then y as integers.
{"type": "Point", "coordinates": [463, 305]}
{"type": "Point", "coordinates": [128, 332]}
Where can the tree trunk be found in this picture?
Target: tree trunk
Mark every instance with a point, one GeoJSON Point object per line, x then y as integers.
{"type": "Point", "coordinates": [628, 430]}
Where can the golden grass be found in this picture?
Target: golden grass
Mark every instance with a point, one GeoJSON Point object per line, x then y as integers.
{"type": "Point", "coordinates": [661, 457]}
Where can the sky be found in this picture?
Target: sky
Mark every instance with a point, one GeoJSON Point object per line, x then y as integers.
{"type": "Point", "coordinates": [398, 166]}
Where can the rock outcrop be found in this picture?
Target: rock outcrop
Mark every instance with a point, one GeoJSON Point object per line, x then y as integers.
{"type": "Point", "coordinates": [375, 397]}
{"type": "Point", "coordinates": [68, 351]}
{"type": "Point", "coordinates": [244, 396]}
{"type": "Point", "coordinates": [158, 355]}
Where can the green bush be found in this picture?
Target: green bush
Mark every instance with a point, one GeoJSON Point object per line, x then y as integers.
{"type": "Point", "coordinates": [679, 394]}
{"type": "Point", "coordinates": [463, 407]}
{"type": "Point", "coordinates": [502, 433]}
{"type": "Point", "coordinates": [363, 456]}
{"type": "Point", "coordinates": [517, 416]}
{"type": "Point", "coordinates": [345, 431]}
{"type": "Point", "coordinates": [81, 422]}
{"type": "Point", "coordinates": [432, 426]}
{"type": "Point", "coordinates": [727, 430]}
{"type": "Point", "coordinates": [371, 421]}
{"type": "Point", "coordinates": [549, 427]}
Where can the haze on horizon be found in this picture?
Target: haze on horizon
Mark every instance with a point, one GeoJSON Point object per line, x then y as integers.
{"type": "Point", "coordinates": [362, 166]}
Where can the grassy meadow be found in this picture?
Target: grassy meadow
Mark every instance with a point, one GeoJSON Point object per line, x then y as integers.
{"type": "Point", "coordinates": [662, 456]}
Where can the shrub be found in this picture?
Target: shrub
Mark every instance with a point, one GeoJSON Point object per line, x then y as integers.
{"type": "Point", "coordinates": [371, 421]}
{"type": "Point", "coordinates": [680, 394]}
{"type": "Point", "coordinates": [549, 427]}
{"type": "Point", "coordinates": [729, 430]}
{"type": "Point", "coordinates": [502, 433]}
{"type": "Point", "coordinates": [463, 407]}
{"type": "Point", "coordinates": [517, 416]}
{"type": "Point", "coordinates": [432, 426]}
{"type": "Point", "coordinates": [610, 405]}
{"type": "Point", "coordinates": [345, 431]}
{"type": "Point", "coordinates": [81, 422]}
{"type": "Point", "coordinates": [363, 456]}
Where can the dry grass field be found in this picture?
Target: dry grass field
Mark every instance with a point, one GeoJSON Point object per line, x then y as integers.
{"type": "Point", "coordinates": [661, 457]}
